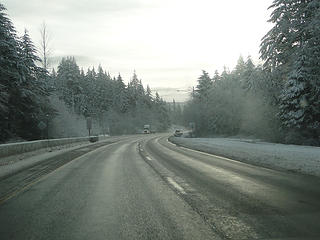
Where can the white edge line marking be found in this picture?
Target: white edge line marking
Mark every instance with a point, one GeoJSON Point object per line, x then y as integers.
{"type": "Point", "coordinates": [204, 153]}
{"type": "Point", "coordinates": [215, 156]}
{"type": "Point", "coordinates": [171, 143]}
{"type": "Point", "coordinates": [209, 154]}
{"type": "Point", "coordinates": [176, 185]}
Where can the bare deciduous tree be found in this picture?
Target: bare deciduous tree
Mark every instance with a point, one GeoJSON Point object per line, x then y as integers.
{"type": "Point", "coordinates": [45, 49]}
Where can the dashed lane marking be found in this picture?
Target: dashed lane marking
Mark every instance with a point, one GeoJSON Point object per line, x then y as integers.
{"type": "Point", "coordinates": [176, 185]}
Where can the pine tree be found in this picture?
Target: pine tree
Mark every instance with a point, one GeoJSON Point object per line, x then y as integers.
{"type": "Point", "coordinates": [293, 98]}
{"type": "Point", "coordinates": [8, 51]}
{"type": "Point", "coordinates": [121, 95]}
{"type": "Point", "coordinates": [31, 100]}
{"type": "Point", "coordinates": [204, 86]}
{"type": "Point", "coordinates": [24, 95]}
{"type": "Point", "coordinates": [248, 77]}
{"type": "Point", "coordinates": [300, 99]}
{"type": "Point", "coordinates": [216, 78]}
{"type": "Point", "coordinates": [291, 19]}
{"type": "Point", "coordinates": [135, 90]}
{"type": "Point", "coordinates": [68, 82]}
{"type": "Point", "coordinates": [292, 46]}
{"type": "Point", "coordinates": [240, 67]}
{"type": "Point", "coordinates": [9, 72]}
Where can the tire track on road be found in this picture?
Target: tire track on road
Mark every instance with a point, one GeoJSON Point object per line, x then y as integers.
{"type": "Point", "coordinates": [13, 184]}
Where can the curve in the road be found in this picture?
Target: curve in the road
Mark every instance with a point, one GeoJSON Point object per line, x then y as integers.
{"type": "Point", "coordinates": [239, 200]}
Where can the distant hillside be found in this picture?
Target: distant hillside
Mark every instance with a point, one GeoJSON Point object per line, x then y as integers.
{"type": "Point", "coordinates": [178, 94]}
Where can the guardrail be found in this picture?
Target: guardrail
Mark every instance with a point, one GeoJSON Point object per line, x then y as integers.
{"type": "Point", "coordinates": [22, 147]}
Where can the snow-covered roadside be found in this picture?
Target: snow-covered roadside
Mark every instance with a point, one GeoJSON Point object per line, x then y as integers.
{"type": "Point", "coordinates": [15, 163]}
{"type": "Point", "coordinates": [303, 159]}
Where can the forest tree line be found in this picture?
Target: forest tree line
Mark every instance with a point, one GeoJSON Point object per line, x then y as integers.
{"type": "Point", "coordinates": [24, 99]}
{"type": "Point", "coordinates": [277, 101]}
{"type": "Point", "coordinates": [26, 89]}
{"type": "Point", "coordinates": [117, 107]}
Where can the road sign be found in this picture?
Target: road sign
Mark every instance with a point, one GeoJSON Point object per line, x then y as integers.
{"type": "Point", "coordinates": [89, 123]}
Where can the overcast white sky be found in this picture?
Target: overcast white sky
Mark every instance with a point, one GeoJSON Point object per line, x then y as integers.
{"type": "Point", "coordinates": [167, 42]}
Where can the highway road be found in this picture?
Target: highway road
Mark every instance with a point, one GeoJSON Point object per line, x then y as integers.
{"type": "Point", "coordinates": [144, 187]}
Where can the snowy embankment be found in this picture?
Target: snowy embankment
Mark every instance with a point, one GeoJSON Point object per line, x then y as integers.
{"type": "Point", "coordinates": [302, 159]}
{"type": "Point", "coordinates": [23, 147]}
{"type": "Point", "coordinates": [16, 162]}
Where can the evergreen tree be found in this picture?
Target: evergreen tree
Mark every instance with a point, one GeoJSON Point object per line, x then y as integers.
{"type": "Point", "coordinates": [291, 19]}
{"type": "Point", "coordinates": [31, 100]}
{"type": "Point", "coordinates": [240, 67]}
{"type": "Point", "coordinates": [68, 82]}
{"type": "Point", "coordinates": [300, 99]}
{"type": "Point", "coordinates": [292, 47]}
{"type": "Point", "coordinates": [204, 85]}
{"type": "Point", "coordinates": [25, 88]}
{"type": "Point", "coordinates": [148, 92]}
{"type": "Point", "coordinates": [121, 95]}
{"type": "Point", "coordinates": [135, 90]}
{"type": "Point", "coordinates": [23, 101]}
{"type": "Point", "coordinates": [248, 75]}
{"type": "Point", "coordinates": [9, 72]}
{"type": "Point", "coordinates": [216, 78]}
{"type": "Point", "coordinates": [294, 97]}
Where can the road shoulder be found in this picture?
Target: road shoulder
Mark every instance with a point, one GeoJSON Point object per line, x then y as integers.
{"type": "Point", "coordinates": [292, 158]}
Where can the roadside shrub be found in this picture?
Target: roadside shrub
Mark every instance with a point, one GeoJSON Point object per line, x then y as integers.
{"type": "Point", "coordinates": [293, 137]}
{"type": "Point", "coordinates": [311, 142]}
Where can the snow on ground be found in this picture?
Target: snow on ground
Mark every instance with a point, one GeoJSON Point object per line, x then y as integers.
{"type": "Point", "coordinates": [14, 163]}
{"type": "Point", "coordinates": [302, 159]}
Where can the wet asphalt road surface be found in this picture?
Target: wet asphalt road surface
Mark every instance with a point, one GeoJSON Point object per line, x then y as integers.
{"type": "Point", "coordinates": [144, 187]}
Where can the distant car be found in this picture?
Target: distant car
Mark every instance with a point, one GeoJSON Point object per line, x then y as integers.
{"type": "Point", "coordinates": [178, 133]}
{"type": "Point", "coordinates": [146, 129]}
